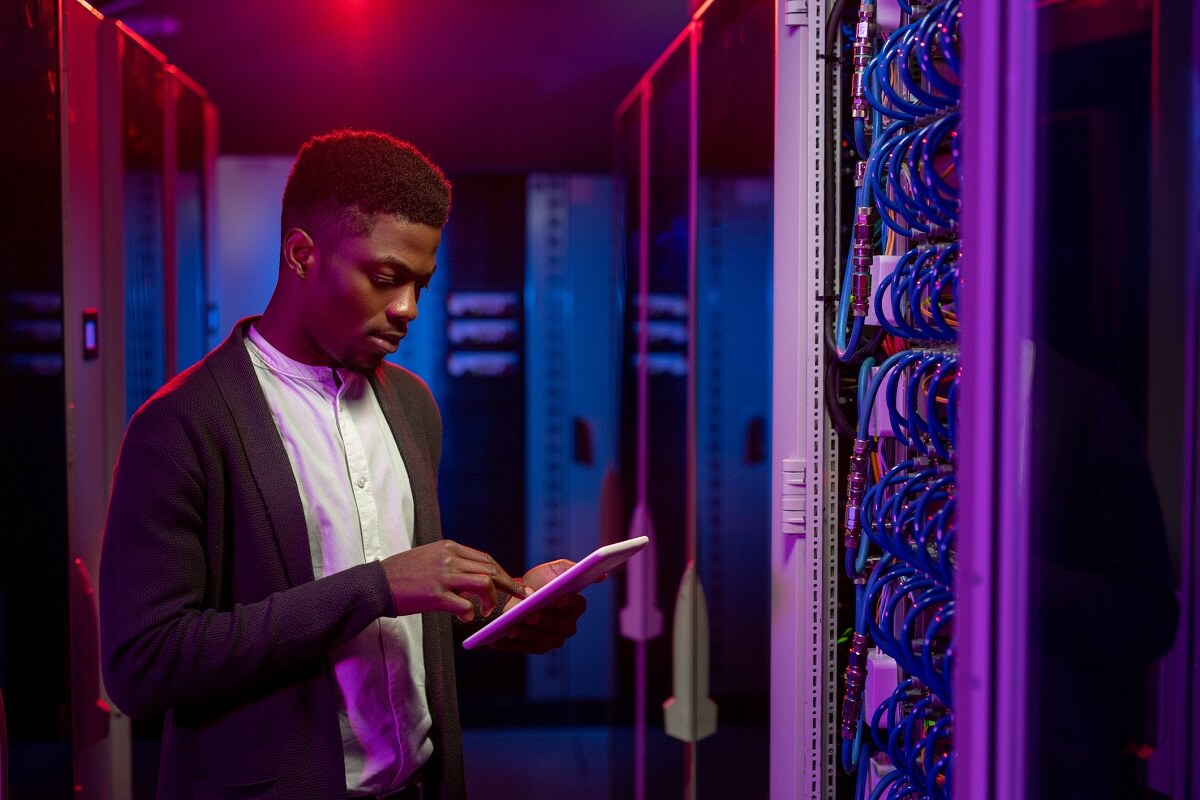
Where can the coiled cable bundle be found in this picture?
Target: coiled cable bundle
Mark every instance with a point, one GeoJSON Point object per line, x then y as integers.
{"type": "Point", "coordinates": [899, 531]}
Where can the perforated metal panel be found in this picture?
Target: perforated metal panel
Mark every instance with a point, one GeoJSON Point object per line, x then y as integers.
{"type": "Point", "coordinates": [572, 409]}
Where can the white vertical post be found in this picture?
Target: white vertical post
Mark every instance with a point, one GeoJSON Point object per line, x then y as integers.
{"type": "Point", "coordinates": [803, 449]}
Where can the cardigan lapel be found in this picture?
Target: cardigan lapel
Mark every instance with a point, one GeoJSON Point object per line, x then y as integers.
{"type": "Point", "coordinates": [416, 462]}
{"type": "Point", "coordinates": [263, 450]}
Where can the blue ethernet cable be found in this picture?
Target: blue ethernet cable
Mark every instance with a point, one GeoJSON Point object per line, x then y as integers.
{"type": "Point", "coordinates": [918, 424]}
{"type": "Point", "coordinates": [935, 596]}
{"type": "Point", "coordinates": [884, 784]}
{"type": "Point", "coordinates": [904, 179]}
{"type": "Point", "coordinates": [940, 194]}
{"type": "Point", "coordinates": [845, 348]}
{"type": "Point", "coordinates": [892, 286]}
{"type": "Point", "coordinates": [939, 433]}
{"type": "Point", "coordinates": [924, 198]}
{"type": "Point", "coordinates": [901, 422]}
{"type": "Point", "coordinates": [933, 325]}
{"type": "Point", "coordinates": [915, 37]}
{"type": "Point", "coordinates": [879, 160]}
{"type": "Point", "coordinates": [947, 30]}
{"type": "Point", "coordinates": [928, 32]}
{"type": "Point", "coordinates": [867, 396]}
{"type": "Point", "coordinates": [905, 603]}
{"type": "Point", "coordinates": [882, 97]}
{"type": "Point", "coordinates": [940, 620]}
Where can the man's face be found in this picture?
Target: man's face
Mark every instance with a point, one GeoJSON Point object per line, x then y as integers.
{"type": "Point", "coordinates": [363, 291]}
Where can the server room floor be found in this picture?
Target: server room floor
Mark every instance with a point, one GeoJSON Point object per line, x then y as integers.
{"type": "Point", "coordinates": [571, 763]}
{"type": "Point", "coordinates": [596, 763]}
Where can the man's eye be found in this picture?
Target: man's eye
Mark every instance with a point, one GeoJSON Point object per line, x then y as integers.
{"type": "Point", "coordinates": [382, 280]}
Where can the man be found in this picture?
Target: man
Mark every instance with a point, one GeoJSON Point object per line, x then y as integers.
{"type": "Point", "coordinates": [273, 575]}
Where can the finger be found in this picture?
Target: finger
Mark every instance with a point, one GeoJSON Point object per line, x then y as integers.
{"type": "Point", "coordinates": [458, 605]}
{"type": "Point", "coordinates": [476, 585]}
{"type": "Point", "coordinates": [510, 584]}
{"type": "Point", "coordinates": [557, 623]}
{"type": "Point", "coordinates": [471, 560]}
{"type": "Point", "coordinates": [467, 569]}
{"type": "Point", "coordinates": [462, 551]}
{"type": "Point", "coordinates": [545, 632]}
{"type": "Point", "coordinates": [542, 574]}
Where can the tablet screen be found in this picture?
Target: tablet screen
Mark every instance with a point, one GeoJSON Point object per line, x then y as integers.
{"type": "Point", "coordinates": [574, 580]}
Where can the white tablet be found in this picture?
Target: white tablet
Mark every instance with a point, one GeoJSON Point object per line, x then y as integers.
{"type": "Point", "coordinates": [575, 579]}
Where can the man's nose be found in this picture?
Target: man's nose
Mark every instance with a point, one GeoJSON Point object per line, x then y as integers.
{"type": "Point", "coordinates": [403, 304]}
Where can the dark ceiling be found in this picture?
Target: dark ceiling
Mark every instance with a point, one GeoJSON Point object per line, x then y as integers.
{"type": "Point", "coordinates": [500, 86]}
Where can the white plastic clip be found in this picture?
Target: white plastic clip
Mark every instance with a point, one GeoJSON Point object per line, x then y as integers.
{"type": "Point", "coordinates": [795, 13]}
{"type": "Point", "coordinates": [795, 490]}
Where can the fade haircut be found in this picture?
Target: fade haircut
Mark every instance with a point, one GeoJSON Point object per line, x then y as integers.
{"type": "Point", "coordinates": [343, 181]}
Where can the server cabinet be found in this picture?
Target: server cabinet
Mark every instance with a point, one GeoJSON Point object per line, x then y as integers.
{"type": "Point", "coordinates": [34, 567]}
{"type": "Point", "coordinates": [1070, 492]}
{"type": "Point", "coordinates": [93, 116]}
{"type": "Point", "coordinates": [572, 386]}
{"type": "Point", "coordinates": [695, 142]}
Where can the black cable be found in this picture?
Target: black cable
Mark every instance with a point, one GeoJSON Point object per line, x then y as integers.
{"type": "Point", "coordinates": [833, 398]}
{"type": "Point", "coordinates": [832, 23]}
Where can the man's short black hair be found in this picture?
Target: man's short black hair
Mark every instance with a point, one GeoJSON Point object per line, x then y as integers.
{"type": "Point", "coordinates": [344, 180]}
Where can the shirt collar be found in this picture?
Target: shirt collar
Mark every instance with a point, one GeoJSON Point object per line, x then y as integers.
{"type": "Point", "coordinates": [277, 362]}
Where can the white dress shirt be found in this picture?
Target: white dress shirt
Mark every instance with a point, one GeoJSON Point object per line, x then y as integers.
{"type": "Point", "coordinates": [358, 507]}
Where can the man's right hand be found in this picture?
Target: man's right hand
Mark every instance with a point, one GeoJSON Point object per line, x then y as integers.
{"type": "Point", "coordinates": [443, 576]}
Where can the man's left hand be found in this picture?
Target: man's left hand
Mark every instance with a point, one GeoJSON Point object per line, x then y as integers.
{"type": "Point", "coordinates": [546, 628]}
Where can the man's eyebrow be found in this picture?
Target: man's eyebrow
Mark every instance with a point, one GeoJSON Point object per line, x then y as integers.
{"type": "Point", "coordinates": [392, 261]}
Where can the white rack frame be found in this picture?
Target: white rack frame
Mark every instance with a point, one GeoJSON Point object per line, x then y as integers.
{"type": "Point", "coordinates": [803, 446]}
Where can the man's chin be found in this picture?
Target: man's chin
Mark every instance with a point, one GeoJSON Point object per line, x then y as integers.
{"type": "Point", "coordinates": [364, 363]}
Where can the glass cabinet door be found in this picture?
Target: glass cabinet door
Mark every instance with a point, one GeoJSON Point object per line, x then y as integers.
{"type": "Point", "coordinates": [695, 145]}
{"type": "Point", "coordinates": [733, 223]}
{"type": "Point", "coordinates": [1081, 342]}
{"type": "Point", "coordinates": [191, 246]}
{"type": "Point", "coordinates": [143, 88]}
{"type": "Point", "coordinates": [1102, 606]}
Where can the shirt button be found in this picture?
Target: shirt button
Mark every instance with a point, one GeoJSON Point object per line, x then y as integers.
{"type": "Point", "coordinates": [361, 482]}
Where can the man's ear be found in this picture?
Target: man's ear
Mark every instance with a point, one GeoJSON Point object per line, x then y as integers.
{"type": "Point", "coordinates": [299, 251]}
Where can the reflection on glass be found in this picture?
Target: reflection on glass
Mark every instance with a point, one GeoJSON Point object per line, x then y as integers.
{"type": "Point", "coordinates": [733, 384]}
{"type": "Point", "coordinates": [143, 82]}
{"type": "Point", "coordinates": [192, 297]}
{"type": "Point", "coordinates": [1103, 605]}
{"type": "Point", "coordinates": [732, 207]}
{"type": "Point", "coordinates": [666, 244]}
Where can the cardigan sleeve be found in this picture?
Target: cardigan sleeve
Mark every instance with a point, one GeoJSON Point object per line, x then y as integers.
{"type": "Point", "coordinates": [163, 643]}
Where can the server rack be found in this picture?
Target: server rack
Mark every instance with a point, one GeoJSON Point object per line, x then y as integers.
{"type": "Point", "coordinates": [1037, 269]}
{"type": "Point", "coordinates": [67, 344]}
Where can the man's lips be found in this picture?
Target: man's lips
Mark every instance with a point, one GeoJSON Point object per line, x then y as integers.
{"type": "Point", "coordinates": [388, 340]}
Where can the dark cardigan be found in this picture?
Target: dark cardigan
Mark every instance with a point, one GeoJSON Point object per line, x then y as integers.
{"type": "Point", "coordinates": [208, 607]}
